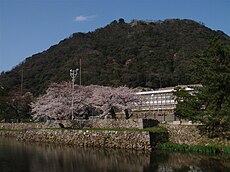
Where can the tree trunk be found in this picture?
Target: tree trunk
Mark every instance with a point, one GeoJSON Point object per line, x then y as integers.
{"type": "Point", "coordinates": [127, 116]}
{"type": "Point", "coordinates": [113, 114]}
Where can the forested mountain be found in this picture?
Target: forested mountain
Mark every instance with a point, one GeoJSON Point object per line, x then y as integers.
{"type": "Point", "coordinates": [139, 53]}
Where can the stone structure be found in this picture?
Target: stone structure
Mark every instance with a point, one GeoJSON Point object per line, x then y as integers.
{"type": "Point", "coordinates": [111, 123]}
{"type": "Point", "coordinates": [45, 132]}
{"type": "Point", "coordinates": [184, 134]}
{"type": "Point", "coordinates": [90, 138]}
{"type": "Point", "coordinates": [192, 135]}
{"type": "Point", "coordinates": [21, 126]}
{"type": "Point", "coordinates": [92, 123]}
{"type": "Point", "coordinates": [178, 133]}
{"type": "Point", "coordinates": [9, 133]}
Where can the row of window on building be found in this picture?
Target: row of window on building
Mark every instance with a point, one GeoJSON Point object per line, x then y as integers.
{"type": "Point", "coordinates": [159, 100]}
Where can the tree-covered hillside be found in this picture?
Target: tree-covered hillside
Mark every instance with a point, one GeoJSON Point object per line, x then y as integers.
{"type": "Point", "coordinates": [139, 53]}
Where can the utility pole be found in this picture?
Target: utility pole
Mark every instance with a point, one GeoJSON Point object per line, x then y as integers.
{"type": "Point", "coordinates": [80, 73]}
{"type": "Point", "coordinates": [73, 74]}
{"type": "Point", "coordinates": [22, 81]}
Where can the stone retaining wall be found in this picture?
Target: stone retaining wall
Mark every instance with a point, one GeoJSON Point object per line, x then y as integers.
{"type": "Point", "coordinates": [192, 135]}
{"type": "Point", "coordinates": [111, 123]}
{"type": "Point", "coordinates": [92, 123]}
{"type": "Point", "coordinates": [184, 134]}
{"type": "Point", "coordinates": [9, 133]}
{"type": "Point", "coordinates": [21, 126]}
{"type": "Point", "coordinates": [113, 139]}
{"type": "Point", "coordinates": [179, 134]}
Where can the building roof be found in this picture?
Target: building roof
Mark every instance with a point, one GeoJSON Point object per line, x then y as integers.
{"type": "Point", "coordinates": [155, 92]}
{"type": "Point", "coordinates": [169, 89]}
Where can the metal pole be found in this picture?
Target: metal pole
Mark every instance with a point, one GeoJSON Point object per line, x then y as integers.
{"type": "Point", "coordinates": [80, 72]}
{"type": "Point", "coordinates": [22, 81]}
{"type": "Point", "coordinates": [72, 97]}
{"type": "Point", "coordinates": [73, 74]}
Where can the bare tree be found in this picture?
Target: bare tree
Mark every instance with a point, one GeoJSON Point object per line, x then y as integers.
{"type": "Point", "coordinates": [18, 102]}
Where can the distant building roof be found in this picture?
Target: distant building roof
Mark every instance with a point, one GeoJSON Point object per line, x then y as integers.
{"type": "Point", "coordinates": [155, 92]}
{"type": "Point", "coordinates": [169, 89]}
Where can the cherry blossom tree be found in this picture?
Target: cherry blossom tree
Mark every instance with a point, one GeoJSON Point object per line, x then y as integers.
{"type": "Point", "coordinates": [81, 97]}
{"type": "Point", "coordinates": [56, 102]}
{"type": "Point", "coordinates": [109, 100]}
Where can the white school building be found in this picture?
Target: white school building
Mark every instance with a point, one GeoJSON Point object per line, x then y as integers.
{"type": "Point", "coordinates": [160, 104]}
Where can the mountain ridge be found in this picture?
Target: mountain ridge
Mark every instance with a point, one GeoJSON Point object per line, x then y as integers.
{"type": "Point", "coordinates": [139, 53]}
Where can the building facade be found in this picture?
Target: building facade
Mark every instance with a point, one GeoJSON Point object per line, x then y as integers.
{"type": "Point", "coordinates": [159, 104]}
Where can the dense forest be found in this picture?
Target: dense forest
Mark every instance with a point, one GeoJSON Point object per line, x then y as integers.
{"type": "Point", "coordinates": [137, 54]}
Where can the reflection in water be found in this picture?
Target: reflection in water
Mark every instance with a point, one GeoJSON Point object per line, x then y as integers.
{"type": "Point", "coordinates": [165, 161]}
{"type": "Point", "coordinates": [31, 157]}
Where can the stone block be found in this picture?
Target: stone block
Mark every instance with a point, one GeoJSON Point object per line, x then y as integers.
{"type": "Point", "coordinates": [176, 122]}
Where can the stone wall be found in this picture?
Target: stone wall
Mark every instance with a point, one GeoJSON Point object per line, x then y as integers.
{"type": "Point", "coordinates": [111, 123]}
{"type": "Point", "coordinates": [184, 134]}
{"type": "Point", "coordinates": [20, 126]}
{"type": "Point", "coordinates": [5, 133]}
{"type": "Point", "coordinates": [192, 135]}
{"type": "Point", "coordinates": [46, 132]}
{"type": "Point", "coordinates": [113, 139]}
{"type": "Point", "coordinates": [92, 123]}
{"type": "Point", "coordinates": [179, 134]}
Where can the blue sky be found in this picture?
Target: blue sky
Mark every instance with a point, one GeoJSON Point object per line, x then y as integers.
{"type": "Point", "coordinates": [31, 26]}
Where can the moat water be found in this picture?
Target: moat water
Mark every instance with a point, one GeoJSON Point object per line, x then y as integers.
{"type": "Point", "coordinates": [33, 157]}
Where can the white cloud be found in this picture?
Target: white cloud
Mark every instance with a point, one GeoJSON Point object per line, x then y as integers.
{"type": "Point", "coordinates": [83, 18]}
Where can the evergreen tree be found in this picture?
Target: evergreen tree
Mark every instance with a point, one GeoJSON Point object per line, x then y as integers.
{"type": "Point", "coordinates": [211, 104]}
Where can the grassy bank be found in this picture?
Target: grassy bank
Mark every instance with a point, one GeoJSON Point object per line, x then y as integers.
{"type": "Point", "coordinates": [194, 148]}
{"type": "Point", "coordinates": [156, 129]}
{"type": "Point", "coordinates": [8, 129]}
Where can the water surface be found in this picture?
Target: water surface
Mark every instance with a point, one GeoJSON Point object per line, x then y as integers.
{"type": "Point", "coordinates": [33, 157]}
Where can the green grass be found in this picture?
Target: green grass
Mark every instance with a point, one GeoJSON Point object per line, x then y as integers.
{"type": "Point", "coordinates": [194, 148]}
{"type": "Point", "coordinates": [226, 149]}
{"type": "Point", "coordinates": [7, 129]}
{"type": "Point", "coordinates": [156, 129]}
